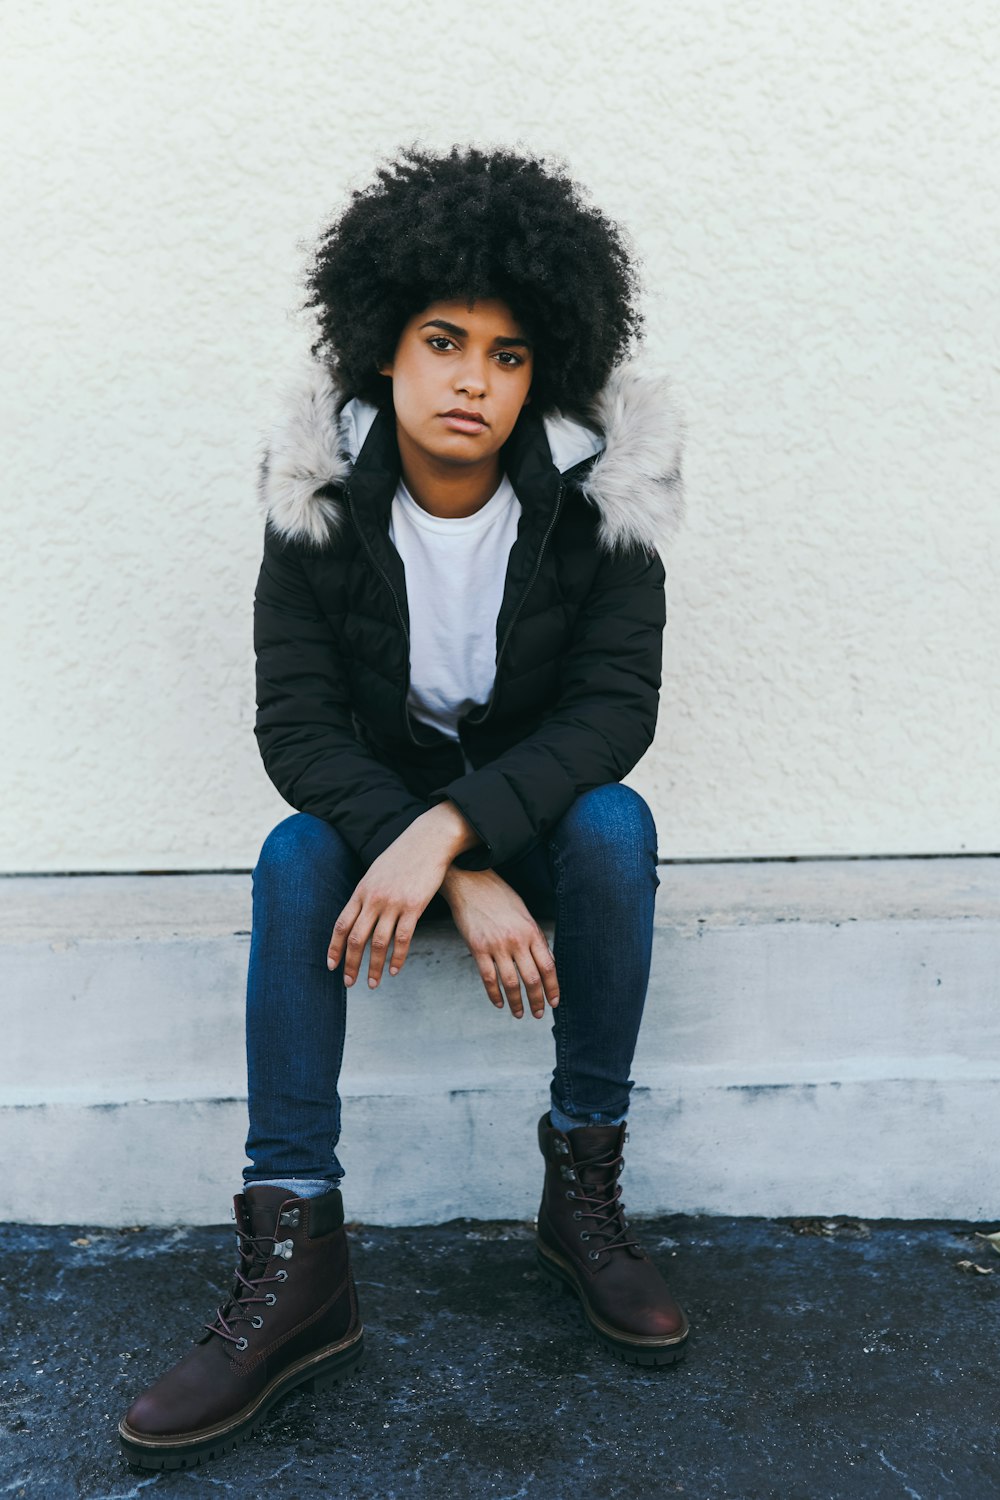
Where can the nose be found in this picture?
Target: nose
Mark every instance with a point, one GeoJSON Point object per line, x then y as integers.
{"type": "Point", "coordinates": [471, 379]}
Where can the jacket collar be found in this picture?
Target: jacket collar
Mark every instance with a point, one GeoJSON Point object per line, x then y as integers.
{"type": "Point", "coordinates": [629, 447]}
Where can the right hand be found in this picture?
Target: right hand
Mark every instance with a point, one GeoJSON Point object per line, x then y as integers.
{"type": "Point", "coordinates": [394, 891]}
{"type": "Point", "coordinates": [504, 938]}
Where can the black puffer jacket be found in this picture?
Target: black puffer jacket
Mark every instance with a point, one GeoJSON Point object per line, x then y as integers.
{"type": "Point", "coordinates": [579, 631]}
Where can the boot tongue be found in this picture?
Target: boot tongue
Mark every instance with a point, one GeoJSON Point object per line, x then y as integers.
{"type": "Point", "coordinates": [256, 1212]}
{"type": "Point", "coordinates": [606, 1142]}
{"type": "Point", "coordinates": [259, 1219]}
{"type": "Point", "coordinates": [601, 1141]}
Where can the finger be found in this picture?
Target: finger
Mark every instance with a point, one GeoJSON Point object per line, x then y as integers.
{"type": "Point", "coordinates": [364, 926]}
{"type": "Point", "coordinates": [511, 984]}
{"type": "Point", "coordinates": [542, 954]}
{"type": "Point", "coordinates": [341, 931]}
{"type": "Point", "coordinates": [488, 974]}
{"type": "Point", "coordinates": [532, 981]}
{"type": "Point", "coordinates": [381, 938]}
{"type": "Point", "coordinates": [405, 928]}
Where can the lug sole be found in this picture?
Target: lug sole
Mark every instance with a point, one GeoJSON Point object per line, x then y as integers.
{"type": "Point", "coordinates": [317, 1372]}
{"type": "Point", "coordinates": [631, 1353]}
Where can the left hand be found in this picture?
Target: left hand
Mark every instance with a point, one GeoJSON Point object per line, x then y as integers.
{"type": "Point", "coordinates": [393, 892]}
{"type": "Point", "coordinates": [504, 939]}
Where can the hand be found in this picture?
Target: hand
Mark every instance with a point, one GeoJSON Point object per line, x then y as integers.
{"type": "Point", "coordinates": [395, 889]}
{"type": "Point", "coordinates": [503, 937]}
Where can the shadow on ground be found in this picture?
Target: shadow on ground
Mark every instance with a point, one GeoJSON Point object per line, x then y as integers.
{"type": "Point", "coordinates": [828, 1359]}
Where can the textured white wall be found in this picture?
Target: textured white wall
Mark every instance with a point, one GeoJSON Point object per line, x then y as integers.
{"type": "Point", "coordinates": [813, 192]}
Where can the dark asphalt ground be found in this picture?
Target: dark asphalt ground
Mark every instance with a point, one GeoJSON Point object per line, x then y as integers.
{"type": "Point", "coordinates": [845, 1361]}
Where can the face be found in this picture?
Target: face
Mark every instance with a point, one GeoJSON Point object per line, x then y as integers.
{"type": "Point", "coordinates": [460, 376]}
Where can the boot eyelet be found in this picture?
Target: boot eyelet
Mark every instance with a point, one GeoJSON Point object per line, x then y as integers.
{"type": "Point", "coordinates": [241, 1344]}
{"type": "Point", "coordinates": [584, 1235]}
{"type": "Point", "coordinates": [256, 1321]}
{"type": "Point", "coordinates": [593, 1254]}
{"type": "Point", "coordinates": [281, 1275]}
{"type": "Point", "coordinates": [577, 1214]}
{"type": "Point", "coordinates": [270, 1299]}
{"type": "Point", "coordinates": [570, 1195]}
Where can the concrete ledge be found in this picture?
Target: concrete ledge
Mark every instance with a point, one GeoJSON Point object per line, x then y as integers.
{"type": "Point", "coordinates": [820, 1038]}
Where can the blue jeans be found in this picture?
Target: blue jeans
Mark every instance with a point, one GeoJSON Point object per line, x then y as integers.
{"type": "Point", "coordinates": [594, 872]}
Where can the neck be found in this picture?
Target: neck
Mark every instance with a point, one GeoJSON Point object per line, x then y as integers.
{"type": "Point", "coordinates": [446, 489]}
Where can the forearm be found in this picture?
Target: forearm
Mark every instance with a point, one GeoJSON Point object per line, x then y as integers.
{"type": "Point", "coordinates": [451, 826]}
{"type": "Point", "coordinates": [457, 881]}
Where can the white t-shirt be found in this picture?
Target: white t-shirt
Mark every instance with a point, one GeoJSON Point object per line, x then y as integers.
{"type": "Point", "coordinates": [455, 570]}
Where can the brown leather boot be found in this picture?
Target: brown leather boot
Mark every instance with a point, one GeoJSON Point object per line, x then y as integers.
{"type": "Point", "coordinates": [291, 1319]}
{"type": "Point", "coordinates": [584, 1244]}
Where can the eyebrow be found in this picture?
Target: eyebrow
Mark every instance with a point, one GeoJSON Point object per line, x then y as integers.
{"type": "Point", "coordinates": [463, 333]}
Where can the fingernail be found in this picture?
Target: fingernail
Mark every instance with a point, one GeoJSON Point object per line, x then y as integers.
{"type": "Point", "coordinates": [372, 983]}
{"type": "Point", "coordinates": [349, 979]}
{"type": "Point", "coordinates": [330, 964]}
{"type": "Point", "coordinates": [392, 970]}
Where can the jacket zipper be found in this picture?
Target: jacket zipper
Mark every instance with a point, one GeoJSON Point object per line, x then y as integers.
{"type": "Point", "coordinates": [406, 634]}
{"type": "Point", "coordinates": [507, 634]}
{"type": "Point", "coordinates": [520, 602]}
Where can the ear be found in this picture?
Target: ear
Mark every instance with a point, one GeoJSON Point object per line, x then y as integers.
{"type": "Point", "coordinates": [385, 369]}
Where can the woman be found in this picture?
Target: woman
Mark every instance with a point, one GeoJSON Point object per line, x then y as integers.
{"type": "Point", "coordinates": [458, 627]}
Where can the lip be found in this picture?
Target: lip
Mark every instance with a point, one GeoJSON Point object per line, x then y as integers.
{"type": "Point", "coordinates": [464, 421]}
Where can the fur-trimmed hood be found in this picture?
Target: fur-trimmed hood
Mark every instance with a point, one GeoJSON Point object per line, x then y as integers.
{"type": "Point", "coordinates": [633, 426]}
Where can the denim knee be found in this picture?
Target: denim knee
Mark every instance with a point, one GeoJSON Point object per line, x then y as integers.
{"type": "Point", "coordinates": [303, 852]}
{"type": "Point", "coordinates": [296, 844]}
{"type": "Point", "coordinates": [614, 816]}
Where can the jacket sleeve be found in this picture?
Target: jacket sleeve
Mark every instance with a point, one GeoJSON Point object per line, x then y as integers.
{"type": "Point", "coordinates": [600, 726]}
{"type": "Point", "coordinates": [304, 726]}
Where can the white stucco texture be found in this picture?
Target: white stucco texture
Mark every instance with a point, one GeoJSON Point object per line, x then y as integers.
{"type": "Point", "coordinates": [812, 191]}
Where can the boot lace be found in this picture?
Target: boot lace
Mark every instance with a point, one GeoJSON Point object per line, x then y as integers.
{"type": "Point", "coordinates": [236, 1303]}
{"type": "Point", "coordinates": [603, 1205]}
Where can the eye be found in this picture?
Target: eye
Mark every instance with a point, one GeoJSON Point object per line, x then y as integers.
{"type": "Point", "coordinates": [509, 358]}
{"type": "Point", "coordinates": [437, 339]}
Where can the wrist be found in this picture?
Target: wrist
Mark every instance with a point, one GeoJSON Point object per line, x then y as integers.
{"type": "Point", "coordinates": [457, 880]}
{"type": "Point", "coordinates": [457, 832]}
{"type": "Point", "coordinates": [453, 879]}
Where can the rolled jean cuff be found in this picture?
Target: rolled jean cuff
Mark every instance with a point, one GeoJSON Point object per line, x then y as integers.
{"type": "Point", "coordinates": [301, 1187]}
{"type": "Point", "coordinates": [568, 1122]}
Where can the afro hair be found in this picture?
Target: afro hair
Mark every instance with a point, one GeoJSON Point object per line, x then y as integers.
{"type": "Point", "coordinates": [471, 224]}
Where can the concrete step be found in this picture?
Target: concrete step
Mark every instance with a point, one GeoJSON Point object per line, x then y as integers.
{"type": "Point", "coordinates": [821, 1037]}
